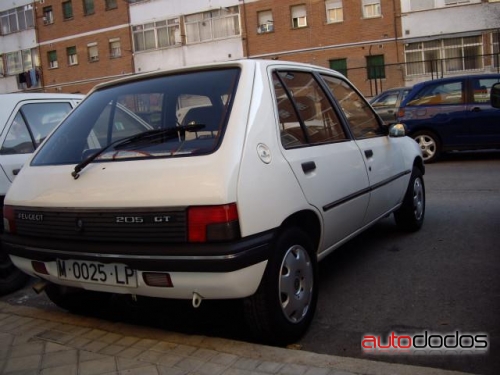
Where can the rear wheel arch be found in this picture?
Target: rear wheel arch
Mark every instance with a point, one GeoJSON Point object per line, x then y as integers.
{"type": "Point", "coordinates": [308, 221]}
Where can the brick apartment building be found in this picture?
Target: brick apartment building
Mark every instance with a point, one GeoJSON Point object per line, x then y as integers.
{"type": "Point", "coordinates": [82, 43]}
{"type": "Point", "coordinates": [342, 35]}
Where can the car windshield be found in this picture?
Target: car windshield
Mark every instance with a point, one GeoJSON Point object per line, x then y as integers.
{"type": "Point", "coordinates": [180, 115]}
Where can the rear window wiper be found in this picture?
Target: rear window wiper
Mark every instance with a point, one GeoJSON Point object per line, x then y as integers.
{"type": "Point", "coordinates": [141, 137]}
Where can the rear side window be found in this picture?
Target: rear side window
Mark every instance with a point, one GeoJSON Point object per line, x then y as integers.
{"type": "Point", "coordinates": [439, 94]}
{"type": "Point", "coordinates": [387, 100]}
{"type": "Point", "coordinates": [32, 123]}
{"type": "Point", "coordinates": [481, 89]}
{"type": "Point", "coordinates": [361, 118]}
{"type": "Point", "coordinates": [167, 116]}
{"type": "Point", "coordinates": [305, 113]}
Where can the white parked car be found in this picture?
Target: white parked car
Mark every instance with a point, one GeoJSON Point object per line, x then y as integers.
{"type": "Point", "coordinates": [25, 120]}
{"type": "Point", "coordinates": [251, 173]}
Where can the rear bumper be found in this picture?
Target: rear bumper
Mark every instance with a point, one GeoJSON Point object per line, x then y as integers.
{"type": "Point", "coordinates": [214, 271]}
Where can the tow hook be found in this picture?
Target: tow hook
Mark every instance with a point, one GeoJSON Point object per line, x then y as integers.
{"type": "Point", "coordinates": [196, 300]}
{"type": "Point", "coordinates": [39, 286]}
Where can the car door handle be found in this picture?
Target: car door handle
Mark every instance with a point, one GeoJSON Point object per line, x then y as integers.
{"type": "Point", "coordinates": [308, 166]}
{"type": "Point", "coordinates": [368, 153]}
{"type": "Point", "coordinates": [15, 172]}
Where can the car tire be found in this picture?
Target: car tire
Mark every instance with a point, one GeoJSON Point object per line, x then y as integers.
{"type": "Point", "coordinates": [11, 277]}
{"type": "Point", "coordinates": [77, 300]}
{"type": "Point", "coordinates": [281, 310]}
{"type": "Point", "coordinates": [410, 216]}
{"type": "Point", "coordinates": [430, 145]}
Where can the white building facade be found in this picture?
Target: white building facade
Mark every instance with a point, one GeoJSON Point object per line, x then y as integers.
{"type": "Point", "coordinates": [170, 33]}
{"type": "Point", "coordinates": [19, 58]}
{"type": "Point", "coordinates": [449, 37]}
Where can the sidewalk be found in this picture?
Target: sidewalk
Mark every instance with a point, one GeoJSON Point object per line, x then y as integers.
{"type": "Point", "coordinates": [35, 341]}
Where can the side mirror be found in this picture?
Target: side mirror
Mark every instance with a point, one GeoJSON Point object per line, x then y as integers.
{"type": "Point", "coordinates": [495, 95]}
{"type": "Point", "coordinates": [397, 130]}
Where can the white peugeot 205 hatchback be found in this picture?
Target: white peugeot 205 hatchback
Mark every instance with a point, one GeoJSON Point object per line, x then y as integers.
{"type": "Point", "coordinates": [224, 181]}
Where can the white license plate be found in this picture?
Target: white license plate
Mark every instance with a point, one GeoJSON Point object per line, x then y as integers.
{"type": "Point", "coordinates": [97, 273]}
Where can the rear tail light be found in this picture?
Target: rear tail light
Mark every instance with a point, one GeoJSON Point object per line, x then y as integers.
{"type": "Point", "coordinates": [213, 223]}
{"type": "Point", "coordinates": [401, 112]}
{"type": "Point", "coordinates": [9, 219]}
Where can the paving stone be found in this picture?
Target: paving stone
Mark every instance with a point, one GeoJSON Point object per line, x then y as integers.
{"type": "Point", "coordinates": [127, 341]}
{"type": "Point", "coordinates": [224, 359]}
{"type": "Point", "coordinates": [79, 342]}
{"type": "Point", "coordinates": [90, 356]}
{"type": "Point", "coordinates": [146, 343]}
{"type": "Point", "coordinates": [61, 370]}
{"type": "Point", "coordinates": [110, 338]}
{"type": "Point", "coordinates": [317, 371]}
{"type": "Point", "coordinates": [130, 352]}
{"type": "Point", "coordinates": [151, 356]}
{"type": "Point", "coordinates": [51, 347]}
{"type": "Point", "coordinates": [189, 364]}
{"type": "Point", "coordinates": [211, 369]}
{"type": "Point", "coordinates": [95, 346]}
{"type": "Point", "coordinates": [60, 358]}
{"type": "Point", "coordinates": [100, 366]}
{"type": "Point", "coordinates": [55, 336]}
{"type": "Point", "coordinates": [184, 350]}
{"type": "Point", "coordinates": [169, 360]}
{"type": "Point", "coordinates": [27, 349]}
{"type": "Point", "coordinates": [94, 334]}
{"type": "Point", "coordinates": [26, 363]}
{"type": "Point", "coordinates": [146, 370]}
{"type": "Point", "coordinates": [269, 367]}
{"type": "Point", "coordinates": [204, 354]}
{"type": "Point", "coordinates": [126, 363]}
{"type": "Point", "coordinates": [163, 346]}
{"type": "Point", "coordinates": [170, 371]}
{"type": "Point", "coordinates": [248, 364]}
{"type": "Point", "coordinates": [293, 369]}
{"type": "Point", "coordinates": [112, 349]}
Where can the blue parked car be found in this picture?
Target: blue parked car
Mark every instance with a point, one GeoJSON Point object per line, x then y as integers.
{"type": "Point", "coordinates": [452, 114]}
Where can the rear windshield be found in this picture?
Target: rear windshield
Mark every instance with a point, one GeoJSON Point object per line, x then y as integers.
{"type": "Point", "coordinates": [164, 116]}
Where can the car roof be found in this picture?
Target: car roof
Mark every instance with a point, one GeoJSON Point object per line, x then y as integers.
{"type": "Point", "coordinates": [244, 64]}
{"type": "Point", "coordinates": [446, 79]}
{"type": "Point", "coordinates": [9, 101]}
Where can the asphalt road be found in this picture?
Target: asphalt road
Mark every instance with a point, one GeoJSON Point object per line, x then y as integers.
{"type": "Point", "coordinates": [444, 278]}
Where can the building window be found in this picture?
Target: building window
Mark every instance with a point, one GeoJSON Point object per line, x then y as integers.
{"type": "Point", "coordinates": [421, 4]}
{"type": "Point", "coordinates": [371, 8]}
{"type": "Point", "coordinates": [334, 11]}
{"type": "Point", "coordinates": [111, 4]}
{"type": "Point", "coordinates": [52, 57]}
{"type": "Point", "coordinates": [72, 56]}
{"type": "Point", "coordinates": [67, 10]}
{"type": "Point", "coordinates": [115, 48]}
{"type": "Point", "coordinates": [88, 7]}
{"type": "Point", "coordinates": [155, 35]}
{"type": "Point", "coordinates": [48, 16]}
{"type": "Point", "coordinates": [20, 61]}
{"type": "Point", "coordinates": [495, 45]}
{"type": "Point", "coordinates": [265, 19]}
{"type": "Point", "coordinates": [215, 24]}
{"type": "Point", "coordinates": [340, 65]}
{"type": "Point", "coordinates": [375, 66]}
{"type": "Point", "coordinates": [299, 16]}
{"type": "Point", "coordinates": [93, 52]}
{"type": "Point", "coordinates": [444, 55]}
{"type": "Point", "coordinates": [2, 69]}
{"type": "Point", "coordinates": [18, 19]}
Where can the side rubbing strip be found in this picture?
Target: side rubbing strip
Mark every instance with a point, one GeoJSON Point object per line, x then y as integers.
{"type": "Point", "coordinates": [364, 191]}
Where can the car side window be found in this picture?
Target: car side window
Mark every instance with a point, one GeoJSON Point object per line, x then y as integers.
{"type": "Point", "coordinates": [42, 118]}
{"type": "Point", "coordinates": [388, 99]}
{"type": "Point", "coordinates": [305, 113]}
{"type": "Point", "coordinates": [18, 139]}
{"type": "Point", "coordinates": [481, 89]}
{"type": "Point", "coordinates": [439, 94]}
{"type": "Point", "coordinates": [361, 118]}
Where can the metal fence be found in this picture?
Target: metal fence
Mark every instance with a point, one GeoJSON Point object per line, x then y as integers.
{"type": "Point", "coordinates": [375, 79]}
